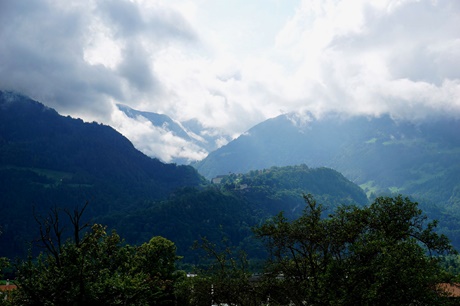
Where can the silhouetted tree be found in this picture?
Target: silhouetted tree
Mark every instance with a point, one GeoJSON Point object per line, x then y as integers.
{"type": "Point", "coordinates": [382, 254]}
{"type": "Point", "coordinates": [94, 267]}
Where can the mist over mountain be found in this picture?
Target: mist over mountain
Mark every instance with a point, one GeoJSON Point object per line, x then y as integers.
{"type": "Point", "coordinates": [158, 120]}
{"type": "Point", "coordinates": [51, 161]}
{"type": "Point", "coordinates": [381, 154]}
{"type": "Point", "coordinates": [33, 135]}
{"type": "Point", "coordinates": [158, 135]}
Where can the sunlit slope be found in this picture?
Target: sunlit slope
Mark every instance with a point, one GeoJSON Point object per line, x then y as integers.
{"type": "Point", "coordinates": [380, 154]}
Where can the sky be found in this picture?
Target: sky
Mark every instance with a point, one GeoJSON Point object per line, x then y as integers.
{"type": "Point", "coordinates": [231, 64]}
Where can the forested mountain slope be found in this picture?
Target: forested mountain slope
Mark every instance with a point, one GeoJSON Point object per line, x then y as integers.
{"type": "Point", "coordinates": [49, 160]}
{"type": "Point", "coordinates": [382, 155]}
{"type": "Point", "coordinates": [230, 208]}
{"type": "Point", "coordinates": [33, 135]}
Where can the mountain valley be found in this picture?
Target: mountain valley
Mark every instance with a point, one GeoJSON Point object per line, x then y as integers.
{"type": "Point", "coordinates": [383, 155]}
{"type": "Point", "coordinates": [48, 161]}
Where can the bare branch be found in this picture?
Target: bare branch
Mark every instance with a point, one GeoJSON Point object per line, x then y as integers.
{"type": "Point", "coordinates": [75, 219]}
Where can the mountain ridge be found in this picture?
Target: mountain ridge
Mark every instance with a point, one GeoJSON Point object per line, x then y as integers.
{"type": "Point", "coordinates": [381, 154]}
{"type": "Point", "coordinates": [191, 133]}
{"type": "Point", "coordinates": [49, 160]}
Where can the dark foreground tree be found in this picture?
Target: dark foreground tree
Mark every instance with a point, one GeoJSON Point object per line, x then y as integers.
{"type": "Point", "coordinates": [223, 279]}
{"type": "Point", "coordinates": [4, 263]}
{"type": "Point", "coordinates": [95, 268]}
{"type": "Point", "coordinates": [383, 254]}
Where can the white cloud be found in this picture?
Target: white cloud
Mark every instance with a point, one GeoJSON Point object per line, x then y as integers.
{"type": "Point", "coordinates": [394, 57]}
{"type": "Point", "coordinates": [156, 141]}
{"type": "Point", "coordinates": [231, 64]}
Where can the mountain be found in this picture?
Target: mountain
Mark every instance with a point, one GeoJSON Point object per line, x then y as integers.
{"type": "Point", "coordinates": [158, 120]}
{"type": "Point", "coordinates": [50, 160]}
{"type": "Point", "coordinates": [33, 135]}
{"type": "Point", "coordinates": [192, 133]}
{"type": "Point", "coordinates": [233, 205]}
{"type": "Point", "coordinates": [382, 155]}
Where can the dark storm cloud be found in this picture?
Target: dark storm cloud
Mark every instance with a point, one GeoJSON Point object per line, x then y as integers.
{"type": "Point", "coordinates": [42, 56]}
{"type": "Point", "coordinates": [124, 16]}
{"type": "Point", "coordinates": [42, 53]}
{"type": "Point", "coordinates": [136, 68]}
{"type": "Point", "coordinates": [172, 56]}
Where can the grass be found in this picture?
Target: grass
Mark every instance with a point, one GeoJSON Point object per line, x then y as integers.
{"type": "Point", "coordinates": [51, 174]}
{"type": "Point", "coordinates": [55, 176]}
{"type": "Point", "coordinates": [373, 140]}
{"type": "Point", "coordinates": [395, 189]}
{"type": "Point", "coordinates": [369, 188]}
{"type": "Point", "coordinates": [425, 177]}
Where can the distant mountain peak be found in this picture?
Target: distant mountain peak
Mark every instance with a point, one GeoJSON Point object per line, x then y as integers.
{"type": "Point", "coordinates": [381, 154]}
{"type": "Point", "coordinates": [195, 139]}
{"type": "Point", "coordinates": [157, 120]}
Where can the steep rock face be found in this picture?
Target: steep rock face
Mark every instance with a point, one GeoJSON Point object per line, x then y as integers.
{"type": "Point", "coordinates": [380, 154]}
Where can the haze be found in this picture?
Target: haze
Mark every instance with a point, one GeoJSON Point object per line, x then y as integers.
{"type": "Point", "coordinates": [231, 64]}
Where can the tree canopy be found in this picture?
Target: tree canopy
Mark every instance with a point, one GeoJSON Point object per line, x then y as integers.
{"type": "Point", "coordinates": [382, 254]}
{"type": "Point", "coordinates": [95, 268]}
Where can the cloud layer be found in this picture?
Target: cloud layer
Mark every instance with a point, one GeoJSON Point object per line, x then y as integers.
{"type": "Point", "coordinates": [231, 64]}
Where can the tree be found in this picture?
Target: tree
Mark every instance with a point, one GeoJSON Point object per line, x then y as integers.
{"type": "Point", "coordinates": [95, 268]}
{"type": "Point", "coordinates": [156, 260]}
{"type": "Point", "coordinates": [383, 254]}
{"type": "Point", "coordinates": [224, 278]}
{"type": "Point", "coordinates": [4, 262]}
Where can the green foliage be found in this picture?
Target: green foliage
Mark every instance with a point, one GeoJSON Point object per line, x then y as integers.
{"type": "Point", "coordinates": [157, 260]}
{"type": "Point", "coordinates": [269, 191]}
{"type": "Point", "coordinates": [376, 255]}
{"type": "Point", "coordinates": [96, 269]}
{"type": "Point", "coordinates": [230, 209]}
{"type": "Point", "coordinates": [282, 182]}
{"type": "Point", "coordinates": [224, 277]}
{"type": "Point", "coordinates": [46, 158]}
{"type": "Point", "coordinates": [4, 262]}
{"type": "Point", "coordinates": [418, 159]}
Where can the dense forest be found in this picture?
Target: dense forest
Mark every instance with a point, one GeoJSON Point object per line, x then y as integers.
{"type": "Point", "coordinates": [381, 154]}
{"type": "Point", "coordinates": [232, 207]}
{"type": "Point", "coordinates": [47, 161]}
{"type": "Point", "coordinates": [382, 254]}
